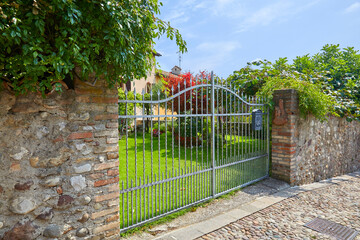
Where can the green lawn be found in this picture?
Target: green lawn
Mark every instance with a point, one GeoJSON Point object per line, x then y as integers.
{"type": "Point", "coordinates": [159, 159]}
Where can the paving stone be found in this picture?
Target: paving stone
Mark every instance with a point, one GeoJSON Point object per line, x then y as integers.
{"type": "Point", "coordinates": [286, 219]}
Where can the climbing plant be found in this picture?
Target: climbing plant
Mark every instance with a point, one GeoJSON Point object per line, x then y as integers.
{"type": "Point", "coordinates": [43, 42]}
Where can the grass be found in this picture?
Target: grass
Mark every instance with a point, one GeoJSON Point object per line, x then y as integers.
{"type": "Point", "coordinates": [157, 159]}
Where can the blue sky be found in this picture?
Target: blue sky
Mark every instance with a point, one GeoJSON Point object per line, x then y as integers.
{"type": "Point", "coordinates": [223, 35]}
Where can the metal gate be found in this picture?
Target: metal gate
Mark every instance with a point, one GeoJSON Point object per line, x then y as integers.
{"type": "Point", "coordinates": [203, 141]}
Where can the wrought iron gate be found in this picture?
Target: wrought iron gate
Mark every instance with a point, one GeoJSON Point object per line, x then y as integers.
{"type": "Point", "coordinates": [203, 141]}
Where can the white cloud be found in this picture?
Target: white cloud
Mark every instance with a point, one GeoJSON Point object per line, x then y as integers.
{"type": "Point", "coordinates": [353, 7]}
{"type": "Point", "coordinates": [264, 16]}
{"type": "Point", "coordinates": [278, 11]}
{"type": "Point", "coordinates": [222, 46]}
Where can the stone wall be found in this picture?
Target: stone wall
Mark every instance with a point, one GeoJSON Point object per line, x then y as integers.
{"type": "Point", "coordinates": [327, 149]}
{"type": "Point", "coordinates": [59, 164]}
{"type": "Point", "coordinates": [307, 150]}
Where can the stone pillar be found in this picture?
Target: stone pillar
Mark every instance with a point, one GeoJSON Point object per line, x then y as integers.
{"type": "Point", "coordinates": [284, 134]}
{"type": "Point", "coordinates": [59, 164]}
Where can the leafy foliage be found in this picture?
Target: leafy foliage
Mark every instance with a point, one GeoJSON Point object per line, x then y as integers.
{"type": "Point", "coordinates": [44, 41]}
{"type": "Point", "coordinates": [327, 82]}
{"type": "Point", "coordinates": [339, 73]}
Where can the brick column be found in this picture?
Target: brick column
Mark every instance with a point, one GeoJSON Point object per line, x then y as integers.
{"type": "Point", "coordinates": [102, 105]}
{"type": "Point", "coordinates": [284, 134]}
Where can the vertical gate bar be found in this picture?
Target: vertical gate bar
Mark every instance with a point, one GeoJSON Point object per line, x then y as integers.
{"type": "Point", "coordinates": [159, 158]}
{"type": "Point", "coordinates": [166, 152]}
{"type": "Point", "coordinates": [243, 137]}
{"type": "Point", "coordinates": [249, 130]}
{"type": "Point", "coordinates": [238, 140]}
{"type": "Point", "coordinates": [176, 191]}
{"type": "Point", "coordinates": [255, 132]}
{"type": "Point", "coordinates": [132, 202]}
{"type": "Point", "coordinates": [252, 133]}
{"type": "Point", "coordinates": [163, 197]}
{"type": "Point", "coordinates": [152, 150]}
{"type": "Point", "coordinates": [135, 156]}
{"type": "Point", "coordinates": [172, 140]}
{"type": "Point", "coordinates": [226, 127]}
{"type": "Point", "coordinates": [197, 139]}
{"type": "Point", "coordinates": [188, 187]}
{"type": "Point", "coordinates": [123, 205]}
{"type": "Point", "coordinates": [202, 127]}
{"type": "Point", "coordinates": [179, 121]}
{"type": "Point", "coordinates": [235, 111]}
{"type": "Point", "coordinates": [159, 135]}
{"type": "Point", "coordinates": [219, 125]}
{"type": "Point", "coordinates": [143, 143]}
{"type": "Point", "coordinates": [185, 118]}
{"type": "Point", "coordinates": [156, 194]}
{"type": "Point", "coordinates": [191, 118]}
{"type": "Point", "coordinates": [148, 197]}
{"type": "Point", "coordinates": [182, 188]}
{"type": "Point", "coordinates": [222, 138]}
{"type": "Point", "coordinates": [147, 215]}
{"type": "Point", "coordinates": [232, 110]}
{"type": "Point", "coordinates": [208, 137]}
{"type": "Point", "coordinates": [247, 146]}
{"type": "Point", "coordinates": [242, 127]}
{"type": "Point", "coordinates": [127, 159]}
{"type": "Point", "coordinates": [213, 132]}
{"type": "Point", "coordinates": [185, 169]}
{"type": "Point", "coordinates": [226, 137]}
{"type": "Point", "coordinates": [252, 145]}
{"type": "Point", "coordinates": [166, 129]}
{"type": "Point", "coordinates": [140, 202]}
{"type": "Point", "coordinates": [267, 140]}
{"type": "Point", "coordinates": [238, 128]}
{"type": "Point", "coordinates": [262, 128]}
{"type": "Point", "coordinates": [172, 147]}
{"type": "Point", "coordinates": [191, 135]}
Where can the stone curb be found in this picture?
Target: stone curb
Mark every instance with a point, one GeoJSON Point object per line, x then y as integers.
{"type": "Point", "coordinates": [197, 230]}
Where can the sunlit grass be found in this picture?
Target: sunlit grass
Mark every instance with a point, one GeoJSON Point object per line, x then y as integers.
{"type": "Point", "coordinates": [156, 158]}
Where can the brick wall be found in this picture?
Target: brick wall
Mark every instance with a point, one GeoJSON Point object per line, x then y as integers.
{"type": "Point", "coordinates": [307, 150]}
{"type": "Point", "coordinates": [59, 164]}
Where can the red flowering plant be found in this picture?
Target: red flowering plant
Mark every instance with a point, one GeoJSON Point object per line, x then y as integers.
{"type": "Point", "coordinates": [195, 101]}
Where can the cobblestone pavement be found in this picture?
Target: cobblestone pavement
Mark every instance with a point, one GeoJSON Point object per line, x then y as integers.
{"type": "Point", "coordinates": [285, 220]}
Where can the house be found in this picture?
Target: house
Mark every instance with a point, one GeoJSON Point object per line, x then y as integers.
{"type": "Point", "coordinates": [144, 85]}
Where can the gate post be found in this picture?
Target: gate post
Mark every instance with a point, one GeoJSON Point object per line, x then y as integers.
{"type": "Point", "coordinates": [284, 134]}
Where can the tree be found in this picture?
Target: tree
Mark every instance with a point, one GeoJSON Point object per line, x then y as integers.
{"type": "Point", "coordinates": [43, 41]}
{"type": "Point", "coordinates": [328, 82]}
{"type": "Point", "coordinates": [339, 73]}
